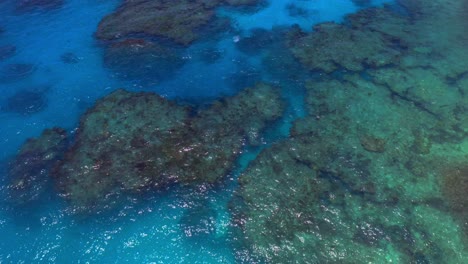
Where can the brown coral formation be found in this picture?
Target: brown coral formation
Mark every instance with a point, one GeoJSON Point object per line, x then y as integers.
{"type": "Point", "coordinates": [131, 142]}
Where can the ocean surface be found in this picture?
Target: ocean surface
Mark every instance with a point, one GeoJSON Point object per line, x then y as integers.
{"type": "Point", "coordinates": [366, 162]}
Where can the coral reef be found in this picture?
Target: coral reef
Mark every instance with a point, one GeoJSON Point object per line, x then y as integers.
{"type": "Point", "coordinates": [368, 173]}
{"type": "Point", "coordinates": [29, 171]}
{"type": "Point", "coordinates": [353, 47]}
{"type": "Point", "coordinates": [119, 146]}
{"type": "Point", "coordinates": [132, 142]}
{"type": "Point", "coordinates": [348, 195]}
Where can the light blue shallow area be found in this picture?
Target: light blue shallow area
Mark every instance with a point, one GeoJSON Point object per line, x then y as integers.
{"type": "Point", "coordinates": [147, 230]}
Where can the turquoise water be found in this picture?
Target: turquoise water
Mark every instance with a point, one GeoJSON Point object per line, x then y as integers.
{"type": "Point", "coordinates": [366, 161]}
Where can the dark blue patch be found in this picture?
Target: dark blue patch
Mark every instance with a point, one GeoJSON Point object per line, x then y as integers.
{"type": "Point", "coordinates": [362, 3]}
{"type": "Point", "coordinates": [26, 6]}
{"type": "Point", "coordinates": [69, 58]}
{"type": "Point", "coordinates": [7, 51]}
{"type": "Point", "coordinates": [26, 102]}
{"type": "Point", "coordinates": [210, 55]}
{"type": "Point", "coordinates": [258, 40]}
{"type": "Point", "coordinates": [142, 61]}
{"type": "Point", "coordinates": [297, 11]}
{"type": "Point", "coordinates": [244, 78]}
{"type": "Point", "coordinates": [16, 71]}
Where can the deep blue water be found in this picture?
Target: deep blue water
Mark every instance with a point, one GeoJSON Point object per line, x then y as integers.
{"type": "Point", "coordinates": [66, 76]}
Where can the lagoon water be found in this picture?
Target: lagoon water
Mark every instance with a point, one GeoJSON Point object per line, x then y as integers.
{"type": "Point", "coordinates": [57, 71]}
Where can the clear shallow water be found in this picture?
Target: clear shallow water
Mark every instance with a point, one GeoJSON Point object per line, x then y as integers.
{"type": "Point", "coordinates": [181, 225]}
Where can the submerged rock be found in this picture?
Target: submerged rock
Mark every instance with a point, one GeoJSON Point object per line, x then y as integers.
{"type": "Point", "coordinates": [24, 6]}
{"type": "Point", "coordinates": [29, 171]}
{"type": "Point", "coordinates": [454, 182]}
{"type": "Point", "coordinates": [372, 143]}
{"type": "Point", "coordinates": [26, 102]}
{"type": "Point", "coordinates": [16, 71]}
{"type": "Point", "coordinates": [69, 58]}
{"type": "Point", "coordinates": [298, 11]}
{"type": "Point", "coordinates": [133, 142]}
{"type": "Point", "coordinates": [139, 36]}
{"type": "Point", "coordinates": [137, 59]}
{"type": "Point", "coordinates": [7, 51]}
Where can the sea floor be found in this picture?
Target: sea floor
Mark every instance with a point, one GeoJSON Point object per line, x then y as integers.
{"type": "Point", "coordinates": [299, 132]}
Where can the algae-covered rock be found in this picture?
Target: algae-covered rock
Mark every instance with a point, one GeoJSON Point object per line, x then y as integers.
{"type": "Point", "coordinates": [29, 171]}
{"type": "Point", "coordinates": [454, 182]}
{"type": "Point", "coordinates": [133, 142]}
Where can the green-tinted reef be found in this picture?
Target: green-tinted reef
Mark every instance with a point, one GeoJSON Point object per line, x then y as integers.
{"type": "Point", "coordinates": [356, 182]}
{"type": "Point", "coordinates": [376, 170]}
